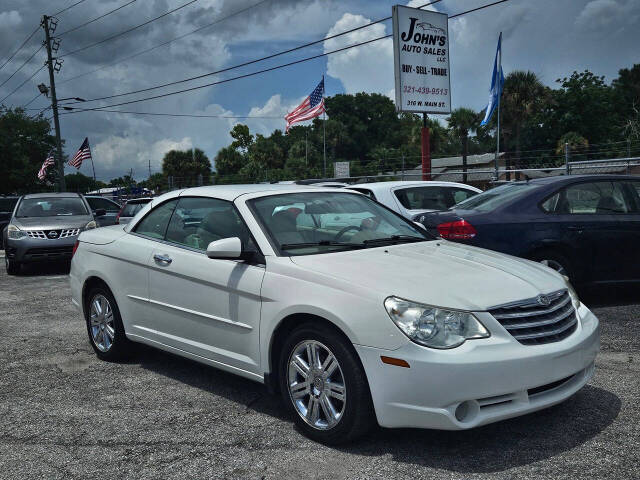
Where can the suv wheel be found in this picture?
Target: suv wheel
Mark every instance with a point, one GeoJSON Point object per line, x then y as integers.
{"type": "Point", "coordinates": [104, 325]}
{"type": "Point", "coordinates": [555, 261]}
{"type": "Point", "coordinates": [13, 267]}
{"type": "Point", "coordinates": [324, 385]}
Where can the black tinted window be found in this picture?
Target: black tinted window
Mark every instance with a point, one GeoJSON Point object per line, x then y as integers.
{"type": "Point", "coordinates": [431, 197]}
{"type": "Point", "coordinates": [109, 206]}
{"type": "Point", "coordinates": [155, 224]}
{"type": "Point", "coordinates": [7, 204]}
{"type": "Point", "coordinates": [130, 209]}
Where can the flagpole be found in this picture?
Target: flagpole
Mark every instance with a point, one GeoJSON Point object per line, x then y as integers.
{"type": "Point", "coordinates": [499, 80]}
{"type": "Point", "coordinates": [324, 134]}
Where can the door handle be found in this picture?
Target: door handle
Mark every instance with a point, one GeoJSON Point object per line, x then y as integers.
{"type": "Point", "coordinates": [575, 228]}
{"type": "Point", "coordinates": [165, 259]}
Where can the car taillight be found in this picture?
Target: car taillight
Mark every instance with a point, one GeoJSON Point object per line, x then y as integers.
{"type": "Point", "coordinates": [75, 247]}
{"type": "Point", "coordinates": [458, 230]}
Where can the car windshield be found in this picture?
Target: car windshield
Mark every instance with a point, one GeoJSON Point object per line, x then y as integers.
{"type": "Point", "coordinates": [496, 197]}
{"type": "Point", "coordinates": [318, 222]}
{"type": "Point", "coordinates": [51, 207]}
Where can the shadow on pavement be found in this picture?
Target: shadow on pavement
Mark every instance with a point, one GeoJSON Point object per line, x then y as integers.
{"type": "Point", "coordinates": [492, 448]}
{"type": "Point", "coordinates": [44, 269]}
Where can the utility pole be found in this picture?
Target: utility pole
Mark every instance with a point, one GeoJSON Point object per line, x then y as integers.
{"type": "Point", "coordinates": [149, 168]}
{"type": "Point", "coordinates": [54, 101]}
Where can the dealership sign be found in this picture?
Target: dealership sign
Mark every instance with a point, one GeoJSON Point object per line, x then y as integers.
{"type": "Point", "coordinates": [421, 59]}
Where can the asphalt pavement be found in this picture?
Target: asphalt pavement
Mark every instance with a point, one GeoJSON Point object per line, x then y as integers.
{"type": "Point", "coordinates": [65, 414]}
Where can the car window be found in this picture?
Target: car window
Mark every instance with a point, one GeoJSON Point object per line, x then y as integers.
{"type": "Point", "coordinates": [96, 203]}
{"type": "Point", "coordinates": [131, 208]}
{"type": "Point", "coordinates": [600, 198]}
{"type": "Point", "coordinates": [51, 207]}
{"type": "Point", "coordinates": [431, 197]}
{"type": "Point", "coordinates": [7, 204]}
{"type": "Point", "coordinates": [635, 190]}
{"type": "Point", "coordinates": [154, 224]}
{"type": "Point", "coordinates": [550, 205]}
{"type": "Point", "coordinates": [198, 221]}
{"type": "Point", "coordinates": [496, 197]}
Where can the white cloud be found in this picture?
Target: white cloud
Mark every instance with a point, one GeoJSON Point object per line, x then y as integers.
{"type": "Point", "coordinates": [605, 16]}
{"type": "Point", "coordinates": [10, 19]}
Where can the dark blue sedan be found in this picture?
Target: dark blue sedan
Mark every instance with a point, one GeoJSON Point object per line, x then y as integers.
{"type": "Point", "coordinates": [587, 227]}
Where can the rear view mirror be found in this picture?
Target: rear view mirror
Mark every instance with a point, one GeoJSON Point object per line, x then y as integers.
{"type": "Point", "coordinates": [227, 248]}
{"type": "Point", "coordinates": [100, 212]}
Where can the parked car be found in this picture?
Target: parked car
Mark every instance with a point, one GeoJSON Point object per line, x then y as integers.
{"type": "Point", "coordinates": [410, 198]}
{"type": "Point", "coordinates": [586, 227]}
{"type": "Point", "coordinates": [372, 321]}
{"type": "Point", "coordinates": [110, 207]}
{"type": "Point", "coordinates": [130, 208]}
{"type": "Point", "coordinates": [44, 227]}
{"type": "Point", "coordinates": [6, 209]}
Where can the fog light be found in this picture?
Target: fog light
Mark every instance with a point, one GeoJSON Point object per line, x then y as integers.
{"type": "Point", "coordinates": [467, 410]}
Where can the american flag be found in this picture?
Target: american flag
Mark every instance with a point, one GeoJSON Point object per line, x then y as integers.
{"type": "Point", "coordinates": [82, 154]}
{"type": "Point", "coordinates": [49, 161]}
{"type": "Point", "coordinates": [311, 107]}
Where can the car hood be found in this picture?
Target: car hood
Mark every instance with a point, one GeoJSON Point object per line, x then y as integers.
{"type": "Point", "coordinates": [439, 273]}
{"type": "Point", "coordinates": [51, 223]}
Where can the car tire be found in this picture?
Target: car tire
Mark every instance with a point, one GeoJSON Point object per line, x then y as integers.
{"type": "Point", "coordinates": [104, 325]}
{"type": "Point", "coordinates": [556, 261]}
{"type": "Point", "coordinates": [13, 267]}
{"type": "Point", "coordinates": [352, 416]}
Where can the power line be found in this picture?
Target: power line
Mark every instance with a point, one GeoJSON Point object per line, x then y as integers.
{"type": "Point", "coordinates": [250, 62]}
{"type": "Point", "coordinates": [252, 73]}
{"type": "Point", "coordinates": [104, 40]}
{"type": "Point", "coordinates": [20, 67]}
{"type": "Point", "coordinates": [20, 47]}
{"type": "Point", "coordinates": [96, 19]}
{"type": "Point", "coordinates": [68, 8]}
{"type": "Point", "coordinates": [228, 79]}
{"type": "Point", "coordinates": [20, 86]}
{"type": "Point", "coordinates": [31, 101]}
{"type": "Point", "coordinates": [141, 52]}
{"type": "Point", "coordinates": [190, 115]}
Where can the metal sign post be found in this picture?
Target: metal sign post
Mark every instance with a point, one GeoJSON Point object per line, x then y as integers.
{"type": "Point", "coordinates": [421, 64]}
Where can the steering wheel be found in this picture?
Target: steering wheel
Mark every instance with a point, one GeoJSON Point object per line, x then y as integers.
{"type": "Point", "coordinates": [345, 230]}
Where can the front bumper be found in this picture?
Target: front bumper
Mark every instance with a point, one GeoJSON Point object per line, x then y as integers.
{"type": "Point", "coordinates": [480, 382]}
{"type": "Point", "coordinates": [28, 250]}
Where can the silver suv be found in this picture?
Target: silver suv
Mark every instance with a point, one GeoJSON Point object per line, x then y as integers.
{"type": "Point", "coordinates": [44, 227]}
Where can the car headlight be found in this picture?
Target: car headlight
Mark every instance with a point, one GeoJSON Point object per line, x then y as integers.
{"type": "Point", "coordinates": [90, 225]}
{"type": "Point", "coordinates": [14, 233]}
{"type": "Point", "coordinates": [572, 292]}
{"type": "Point", "coordinates": [432, 326]}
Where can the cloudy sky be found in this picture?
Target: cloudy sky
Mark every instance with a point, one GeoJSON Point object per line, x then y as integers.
{"type": "Point", "coordinates": [550, 37]}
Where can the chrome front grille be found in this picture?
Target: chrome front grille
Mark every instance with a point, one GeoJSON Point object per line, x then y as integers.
{"type": "Point", "coordinates": [544, 319]}
{"type": "Point", "coordinates": [44, 234]}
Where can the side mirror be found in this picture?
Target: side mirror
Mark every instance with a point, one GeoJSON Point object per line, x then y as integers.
{"type": "Point", "coordinates": [100, 212]}
{"type": "Point", "coordinates": [227, 248]}
{"type": "Point", "coordinates": [419, 225]}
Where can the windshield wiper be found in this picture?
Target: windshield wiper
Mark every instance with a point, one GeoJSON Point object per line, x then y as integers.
{"type": "Point", "coordinates": [321, 243]}
{"type": "Point", "coordinates": [395, 239]}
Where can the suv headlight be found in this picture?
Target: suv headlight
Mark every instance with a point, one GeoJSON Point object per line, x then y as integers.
{"type": "Point", "coordinates": [90, 225]}
{"type": "Point", "coordinates": [432, 326]}
{"type": "Point", "coordinates": [14, 233]}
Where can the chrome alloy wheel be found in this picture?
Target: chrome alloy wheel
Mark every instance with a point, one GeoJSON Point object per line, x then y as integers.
{"type": "Point", "coordinates": [552, 264]}
{"type": "Point", "coordinates": [101, 318]}
{"type": "Point", "coordinates": [316, 385]}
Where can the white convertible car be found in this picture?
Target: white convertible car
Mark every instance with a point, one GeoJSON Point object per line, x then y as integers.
{"type": "Point", "coordinates": [367, 319]}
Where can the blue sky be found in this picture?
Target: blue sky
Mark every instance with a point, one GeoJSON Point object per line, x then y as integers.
{"type": "Point", "coordinates": [549, 37]}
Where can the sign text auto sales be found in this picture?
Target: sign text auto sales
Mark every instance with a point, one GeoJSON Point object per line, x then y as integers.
{"type": "Point", "coordinates": [421, 60]}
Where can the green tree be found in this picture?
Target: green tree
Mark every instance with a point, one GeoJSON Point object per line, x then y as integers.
{"type": "Point", "coordinates": [24, 145]}
{"type": "Point", "coordinates": [77, 182]}
{"type": "Point", "coordinates": [186, 167]}
{"type": "Point", "coordinates": [462, 121]}
{"type": "Point", "coordinates": [522, 99]}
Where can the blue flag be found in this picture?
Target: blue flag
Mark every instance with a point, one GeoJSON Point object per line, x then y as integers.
{"type": "Point", "coordinates": [497, 82]}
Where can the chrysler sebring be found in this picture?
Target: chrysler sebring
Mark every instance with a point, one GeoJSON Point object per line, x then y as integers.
{"type": "Point", "coordinates": [353, 313]}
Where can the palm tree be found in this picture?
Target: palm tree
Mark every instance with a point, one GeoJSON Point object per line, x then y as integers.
{"type": "Point", "coordinates": [462, 121]}
{"type": "Point", "coordinates": [522, 98]}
